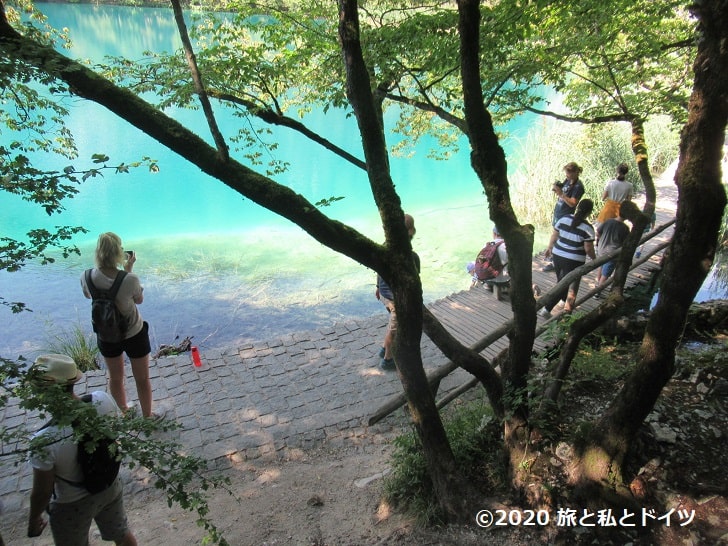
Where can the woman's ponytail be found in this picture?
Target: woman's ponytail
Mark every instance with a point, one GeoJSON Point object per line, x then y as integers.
{"type": "Point", "coordinates": [583, 210]}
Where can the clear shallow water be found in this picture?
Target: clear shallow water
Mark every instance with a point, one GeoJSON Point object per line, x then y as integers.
{"type": "Point", "coordinates": [228, 289]}
{"type": "Point", "coordinates": [214, 265]}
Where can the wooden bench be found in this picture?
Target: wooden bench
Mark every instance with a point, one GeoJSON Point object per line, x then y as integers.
{"type": "Point", "coordinates": [499, 286]}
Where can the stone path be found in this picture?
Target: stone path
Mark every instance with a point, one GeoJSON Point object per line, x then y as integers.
{"type": "Point", "coordinates": [262, 399]}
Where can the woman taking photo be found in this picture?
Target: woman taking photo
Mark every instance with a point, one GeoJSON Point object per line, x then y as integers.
{"type": "Point", "coordinates": [134, 338]}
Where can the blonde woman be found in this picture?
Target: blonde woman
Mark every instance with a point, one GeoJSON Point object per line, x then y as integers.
{"type": "Point", "coordinates": [110, 259]}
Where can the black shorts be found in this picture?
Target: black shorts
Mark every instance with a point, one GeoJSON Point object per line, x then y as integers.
{"type": "Point", "coordinates": [135, 347]}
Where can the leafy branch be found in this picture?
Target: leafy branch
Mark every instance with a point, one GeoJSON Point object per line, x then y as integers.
{"type": "Point", "coordinates": [184, 479]}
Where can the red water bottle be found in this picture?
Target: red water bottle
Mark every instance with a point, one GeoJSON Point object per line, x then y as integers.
{"type": "Point", "coordinates": [196, 357]}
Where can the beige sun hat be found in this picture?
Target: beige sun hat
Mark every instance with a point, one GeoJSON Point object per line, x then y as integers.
{"type": "Point", "coordinates": [57, 369]}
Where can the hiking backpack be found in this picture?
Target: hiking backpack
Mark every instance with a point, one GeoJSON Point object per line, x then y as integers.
{"type": "Point", "coordinates": [100, 466]}
{"type": "Point", "coordinates": [488, 264]}
{"type": "Point", "coordinates": [98, 459]}
{"type": "Point", "coordinates": [108, 322]}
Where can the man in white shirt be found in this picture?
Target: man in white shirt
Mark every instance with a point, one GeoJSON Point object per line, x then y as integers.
{"type": "Point", "coordinates": [57, 474]}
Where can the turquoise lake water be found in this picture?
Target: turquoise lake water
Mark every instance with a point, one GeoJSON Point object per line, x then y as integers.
{"type": "Point", "coordinates": [214, 265]}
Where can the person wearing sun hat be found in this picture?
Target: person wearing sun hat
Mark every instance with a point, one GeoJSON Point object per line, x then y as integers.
{"type": "Point", "coordinates": [568, 194]}
{"type": "Point", "coordinates": [60, 369]}
{"type": "Point", "coordinates": [57, 475]}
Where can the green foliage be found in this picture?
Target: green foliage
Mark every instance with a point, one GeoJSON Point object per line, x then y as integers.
{"type": "Point", "coordinates": [663, 137]}
{"type": "Point", "coordinates": [48, 189]}
{"type": "Point", "coordinates": [474, 438]}
{"type": "Point", "coordinates": [327, 202]}
{"type": "Point", "coordinates": [185, 479]}
{"type": "Point", "coordinates": [33, 123]}
{"type": "Point", "coordinates": [604, 147]}
{"type": "Point", "coordinates": [633, 65]}
{"type": "Point", "coordinates": [77, 344]}
{"type": "Point", "coordinates": [14, 254]}
{"type": "Point", "coordinates": [273, 62]}
{"type": "Point", "coordinates": [596, 365]}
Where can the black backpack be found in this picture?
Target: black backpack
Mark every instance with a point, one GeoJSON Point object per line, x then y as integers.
{"type": "Point", "coordinates": [108, 322]}
{"type": "Point", "coordinates": [98, 458]}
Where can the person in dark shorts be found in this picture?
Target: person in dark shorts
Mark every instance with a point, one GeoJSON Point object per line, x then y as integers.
{"type": "Point", "coordinates": [611, 235]}
{"type": "Point", "coordinates": [572, 241]}
{"type": "Point", "coordinates": [109, 256]}
{"type": "Point", "coordinates": [384, 294]}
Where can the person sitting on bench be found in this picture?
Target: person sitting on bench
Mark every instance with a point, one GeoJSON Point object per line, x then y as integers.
{"type": "Point", "coordinates": [491, 263]}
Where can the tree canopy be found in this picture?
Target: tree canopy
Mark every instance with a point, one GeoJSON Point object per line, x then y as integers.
{"type": "Point", "coordinates": [443, 69]}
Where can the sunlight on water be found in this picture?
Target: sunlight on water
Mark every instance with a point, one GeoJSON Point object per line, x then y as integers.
{"type": "Point", "coordinates": [226, 289]}
{"type": "Point", "coordinates": [215, 265]}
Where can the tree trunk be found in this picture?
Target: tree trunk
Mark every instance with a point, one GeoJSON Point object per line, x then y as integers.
{"type": "Point", "coordinates": [399, 271]}
{"type": "Point", "coordinates": [701, 203]}
{"type": "Point", "coordinates": [489, 163]}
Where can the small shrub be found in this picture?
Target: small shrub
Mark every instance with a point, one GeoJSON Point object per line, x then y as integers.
{"type": "Point", "coordinates": [598, 365]}
{"type": "Point", "coordinates": [77, 344]}
{"type": "Point", "coordinates": [477, 450]}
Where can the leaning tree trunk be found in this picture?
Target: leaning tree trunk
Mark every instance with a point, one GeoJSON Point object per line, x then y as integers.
{"type": "Point", "coordinates": [701, 203]}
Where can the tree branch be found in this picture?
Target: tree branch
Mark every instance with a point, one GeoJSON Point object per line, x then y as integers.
{"type": "Point", "coordinates": [222, 147]}
{"type": "Point", "coordinates": [581, 119]}
{"type": "Point", "coordinates": [270, 116]}
{"type": "Point", "coordinates": [429, 107]}
{"type": "Point", "coordinates": [466, 358]}
{"type": "Point", "coordinates": [262, 190]}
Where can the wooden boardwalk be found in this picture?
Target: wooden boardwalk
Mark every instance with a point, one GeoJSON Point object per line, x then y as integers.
{"type": "Point", "coordinates": [475, 314]}
{"type": "Point", "coordinates": [472, 314]}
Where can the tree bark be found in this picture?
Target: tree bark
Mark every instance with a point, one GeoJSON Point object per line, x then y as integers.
{"type": "Point", "coordinates": [701, 204]}
{"type": "Point", "coordinates": [489, 162]}
{"type": "Point", "coordinates": [399, 272]}
{"type": "Point", "coordinates": [179, 18]}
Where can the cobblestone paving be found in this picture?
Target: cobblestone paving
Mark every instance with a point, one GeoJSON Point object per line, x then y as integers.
{"type": "Point", "coordinates": [259, 400]}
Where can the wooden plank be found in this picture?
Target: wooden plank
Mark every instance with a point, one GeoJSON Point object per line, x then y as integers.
{"type": "Point", "coordinates": [471, 314]}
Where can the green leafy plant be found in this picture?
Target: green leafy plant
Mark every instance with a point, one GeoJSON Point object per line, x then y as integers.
{"type": "Point", "coordinates": [597, 365]}
{"type": "Point", "coordinates": [185, 479]}
{"type": "Point", "coordinates": [77, 344]}
{"type": "Point", "coordinates": [473, 435]}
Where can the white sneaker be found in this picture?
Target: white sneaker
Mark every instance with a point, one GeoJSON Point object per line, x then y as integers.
{"type": "Point", "coordinates": [545, 313]}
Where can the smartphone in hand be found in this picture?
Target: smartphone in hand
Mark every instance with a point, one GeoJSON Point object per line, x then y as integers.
{"type": "Point", "coordinates": [129, 254]}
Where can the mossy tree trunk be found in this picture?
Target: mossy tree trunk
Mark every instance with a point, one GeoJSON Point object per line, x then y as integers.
{"type": "Point", "coordinates": [489, 162]}
{"type": "Point", "coordinates": [399, 271]}
{"type": "Point", "coordinates": [701, 204]}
